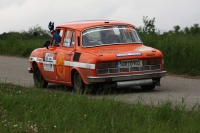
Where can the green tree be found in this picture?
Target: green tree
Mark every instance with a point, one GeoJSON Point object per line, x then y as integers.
{"type": "Point", "coordinates": [177, 29]}
{"type": "Point", "coordinates": [37, 30]}
{"type": "Point", "coordinates": [149, 25]}
{"type": "Point", "coordinates": [186, 30]}
{"type": "Point", "coordinates": [195, 29]}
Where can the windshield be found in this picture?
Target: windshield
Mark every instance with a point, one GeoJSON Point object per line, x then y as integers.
{"type": "Point", "coordinates": [108, 35]}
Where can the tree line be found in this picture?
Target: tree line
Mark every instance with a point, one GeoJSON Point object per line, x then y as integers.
{"type": "Point", "coordinates": [33, 32]}
{"type": "Point", "coordinates": [149, 28]}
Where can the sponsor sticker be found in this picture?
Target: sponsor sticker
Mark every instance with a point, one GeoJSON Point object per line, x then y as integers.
{"type": "Point", "coordinates": [144, 48]}
{"type": "Point", "coordinates": [129, 54]}
{"type": "Point", "coordinates": [49, 57]}
{"type": "Point", "coordinates": [60, 65]}
{"type": "Point", "coordinates": [129, 29]}
{"type": "Point", "coordinates": [48, 66]}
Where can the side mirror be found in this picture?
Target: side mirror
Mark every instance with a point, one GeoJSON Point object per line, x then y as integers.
{"type": "Point", "coordinates": [46, 44]}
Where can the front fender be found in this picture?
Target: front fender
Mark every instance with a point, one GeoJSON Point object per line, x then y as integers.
{"type": "Point", "coordinates": [83, 73]}
{"type": "Point", "coordinates": [85, 66]}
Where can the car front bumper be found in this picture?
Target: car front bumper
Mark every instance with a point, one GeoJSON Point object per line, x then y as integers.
{"type": "Point", "coordinates": [99, 79]}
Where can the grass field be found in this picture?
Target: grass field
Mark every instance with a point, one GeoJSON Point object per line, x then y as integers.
{"type": "Point", "coordinates": [181, 52]}
{"type": "Point", "coordinates": [36, 110]}
{"type": "Point", "coordinates": [18, 44]}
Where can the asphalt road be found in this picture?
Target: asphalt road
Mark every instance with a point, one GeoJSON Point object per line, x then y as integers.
{"type": "Point", "coordinates": [176, 89]}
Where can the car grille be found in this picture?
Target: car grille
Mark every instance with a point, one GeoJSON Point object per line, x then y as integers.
{"type": "Point", "coordinates": [129, 69]}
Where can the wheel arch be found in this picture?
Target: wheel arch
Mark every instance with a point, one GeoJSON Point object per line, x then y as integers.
{"type": "Point", "coordinates": [38, 64]}
{"type": "Point", "coordinates": [72, 75]}
{"type": "Point", "coordinates": [33, 65]}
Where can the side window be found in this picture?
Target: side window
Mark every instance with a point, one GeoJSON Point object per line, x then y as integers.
{"type": "Point", "coordinates": [61, 33]}
{"type": "Point", "coordinates": [69, 39]}
{"type": "Point", "coordinates": [57, 38]}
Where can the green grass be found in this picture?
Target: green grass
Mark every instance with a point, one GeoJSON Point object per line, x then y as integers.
{"type": "Point", "coordinates": [17, 44]}
{"type": "Point", "coordinates": [181, 52]}
{"type": "Point", "coordinates": [36, 110]}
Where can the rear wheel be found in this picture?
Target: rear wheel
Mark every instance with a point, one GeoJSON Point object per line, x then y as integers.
{"type": "Point", "coordinates": [148, 87]}
{"type": "Point", "coordinates": [78, 82]}
{"type": "Point", "coordinates": [39, 81]}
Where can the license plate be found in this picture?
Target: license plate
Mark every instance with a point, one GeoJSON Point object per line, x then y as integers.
{"type": "Point", "coordinates": [129, 63]}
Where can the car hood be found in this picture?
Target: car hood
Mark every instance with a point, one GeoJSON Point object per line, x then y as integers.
{"type": "Point", "coordinates": [119, 52]}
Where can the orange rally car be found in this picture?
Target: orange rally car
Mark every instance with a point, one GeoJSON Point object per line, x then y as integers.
{"type": "Point", "coordinates": [96, 52]}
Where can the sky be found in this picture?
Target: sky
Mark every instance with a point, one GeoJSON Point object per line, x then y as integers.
{"type": "Point", "coordinates": [20, 15]}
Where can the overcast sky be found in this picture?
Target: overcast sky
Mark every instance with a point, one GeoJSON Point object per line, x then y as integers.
{"type": "Point", "coordinates": [16, 15]}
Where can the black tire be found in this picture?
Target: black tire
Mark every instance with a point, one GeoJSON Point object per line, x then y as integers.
{"type": "Point", "coordinates": [78, 83]}
{"type": "Point", "coordinates": [148, 87]}
{"type": "Point", "coordinates": [39, 81]}
{"type": "Point", "coordinates": [90, 88]}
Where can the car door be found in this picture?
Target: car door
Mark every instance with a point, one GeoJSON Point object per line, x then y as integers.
{"type": "Point", "coordinates": [64, 56]}
{"type": "Point", "coordinates": [49, 58]}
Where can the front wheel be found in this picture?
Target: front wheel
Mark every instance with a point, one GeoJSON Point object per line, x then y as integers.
{"type": "Point", "coordinates": [39, 81]}
{"type": "Point", "coordinates": [78, 82]}
{"type": "Point", "coordinates": [148, 87]}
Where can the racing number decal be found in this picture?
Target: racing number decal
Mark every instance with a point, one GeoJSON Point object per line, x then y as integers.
{"type": "Point", "coordinates": [60, 65]}
{"type": "Point", "coordinates": [48, 62]}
